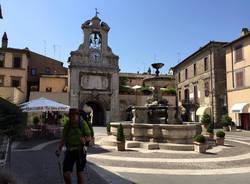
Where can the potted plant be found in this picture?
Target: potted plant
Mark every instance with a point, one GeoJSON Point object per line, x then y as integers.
{"type": "Point", "coordinates": [226, 121]}
{"type": "Point", "coordinates": [232, 126]}
{"type": "Point", "coordinates": [200, 144]}
{"type": "Point", "coordinates": [108, 128]}
{"type": "Point", "coordinates": [210, 130]}
{"type": "Point", "coordinates": [220, 137]}
{"type": "Point", "coordinates": [120, 138]}
{"type": "Point", "coordinates": [36, 121]}
{"type": "Point", "coordinates": [205, 120]}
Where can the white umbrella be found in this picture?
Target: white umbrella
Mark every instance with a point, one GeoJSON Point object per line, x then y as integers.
{"type": "Point", "coordinates": [43, 105]}
{"type": "Point", "coordinates": [136, 87]}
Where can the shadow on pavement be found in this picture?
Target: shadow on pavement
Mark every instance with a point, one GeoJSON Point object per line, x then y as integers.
{"type": "Point", "coordinates": [108, 176]}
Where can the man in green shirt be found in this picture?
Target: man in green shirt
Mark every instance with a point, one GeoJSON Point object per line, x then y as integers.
{"type": "Point", "coordinates": [76, 134]}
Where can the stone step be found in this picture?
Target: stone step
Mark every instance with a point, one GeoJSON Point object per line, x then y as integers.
{"type": "Point", "coordinates": [133, 144]}
{"type": "Point", "coordinates": [150, 146]}
{"type": "Point", "coordinates": [176, 147]}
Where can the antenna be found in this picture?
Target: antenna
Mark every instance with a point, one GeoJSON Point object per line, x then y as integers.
{"type": "Point", "coordinates": [54, 50]}
{"type": "Point", "coordinates": [45, 46]}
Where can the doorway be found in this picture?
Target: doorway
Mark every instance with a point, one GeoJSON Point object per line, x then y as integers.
{"type": "Point", "coordinates": [98, 113]}
{"type": "Point", "coordinates": [245, 121]}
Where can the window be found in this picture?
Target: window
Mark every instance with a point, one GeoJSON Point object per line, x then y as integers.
{"type": "Point", "coordinates": [1, 80]}
{"type": "Point", "coordinates": [239, 77]}
{"type": "Point", "coordinates": [179, 95]}
{"type": "Point", "coordinates": [186, 92]}
{"type": "Point", "coordinates": [33, 71]}
{"type": "Point", "coordinates": [15, 82]}
{"type": "Point", "coordinates": [205, 64]}
{"type": "Point", "coordinates": [238, 53]}
{"type": "Point", "coordinates": [186, 73]}
{"type": "Point", "coordinates": [194, 69]}
{"type": "Point", "coordinates": [195, 94]}
{"type": "Point", "coordinates": [17, 62]}
{"type": "Point", "coordinates": [47, 70]}
{"type": "Point", "coordinates": [206, 87]}
{"type": "Point", "coordinates": [179, 77]}
{"type": "Point", "coordinates": [2, 56]}
{"type": "Point", "coordinates": [49, 89]}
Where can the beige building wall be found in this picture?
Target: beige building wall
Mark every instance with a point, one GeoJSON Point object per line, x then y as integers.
{"type": "Point", "coordinates": [238, 95]}
{"type": "Point", "coordinates": [56, 83]}
{"type": "Point", "coordinates": [8, 72]}
{"type": "Point", "coordinates": [55, 96]}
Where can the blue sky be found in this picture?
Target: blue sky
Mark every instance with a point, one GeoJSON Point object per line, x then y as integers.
{"type": "Point", "coordinates": [142, 31]}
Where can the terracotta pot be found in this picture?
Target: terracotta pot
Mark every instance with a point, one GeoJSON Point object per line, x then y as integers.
{"type": "Point", "coordinates": [210, 135]}
{"type": "Point", "coordinates": [200, 147]}
{"type": "Point", "coordinates": [121, 145]}
{"type": "Point", "coordinates": [226, 128]}
{"type": "Point", "coordinates": [220, 141]}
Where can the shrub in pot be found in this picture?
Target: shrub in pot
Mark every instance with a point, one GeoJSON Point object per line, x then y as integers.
{"type": "Point", "coordinates": [226, 121]}
{"type": "Point", "coordinates": [120, 138]}
{"type": "Point", "coordinates": [108, 128]}
{"type": "Point", "coordinates": [232, 126]}
{"type": "Point", "coordinates": [220, 137]}
{"type": "Point", "coordinates": [205, 120]}
{"type": "Point", "coordinates": [210, 130]}
{"type": "Point", "coordinates": [200, 144]}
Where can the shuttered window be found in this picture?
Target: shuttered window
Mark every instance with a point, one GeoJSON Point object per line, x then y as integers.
{"type": "Point", "coordinates": [239, 77]}
{"type": "Point", "coordinates": [238, 53]}
{"type": "Point", "coordinates": [206, 87]}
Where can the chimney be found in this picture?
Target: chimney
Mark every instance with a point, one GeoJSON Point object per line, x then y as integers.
{"type": "Point", "coordinates": [4, 40]}
{"type": "Point", "coordinates": [244, 31]}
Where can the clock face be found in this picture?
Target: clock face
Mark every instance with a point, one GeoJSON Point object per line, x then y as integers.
{"type": "Point", "coordinates": [95, 56]}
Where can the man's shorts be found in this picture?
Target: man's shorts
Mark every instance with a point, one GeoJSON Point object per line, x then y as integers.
{"type": "Point", "coordinates": [72, 157]}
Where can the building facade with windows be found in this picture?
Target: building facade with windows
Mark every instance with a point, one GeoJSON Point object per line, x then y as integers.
{"type": "Point", "coordinates": [13, 72]}
{"type": "Point", "coordinates": [54, 87]}
{"type": "Point", "coordinates": [200, 81]}
{"type": "Point", "coordinates": [238, 79]}
{"type": "Point", "coordinates": [21, 70]}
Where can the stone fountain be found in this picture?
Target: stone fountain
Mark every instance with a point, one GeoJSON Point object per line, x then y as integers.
{"type": "Point", "coordinates": [157, 122]}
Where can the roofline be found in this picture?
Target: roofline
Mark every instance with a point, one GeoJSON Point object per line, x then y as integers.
{"type": "Point", "coordinates": [238, 39]}
{"type": "Point", "coordinates": [198, 51]}
{"type": "Point", "coordinates": [26, 51]}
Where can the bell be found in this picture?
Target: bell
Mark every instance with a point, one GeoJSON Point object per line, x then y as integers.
{"type": "Point", "coordinates": [99, 41]}
{"type": "Point", "coordinates": [90, 41]}
{"type": "Point", "coordinates": [1, 16]}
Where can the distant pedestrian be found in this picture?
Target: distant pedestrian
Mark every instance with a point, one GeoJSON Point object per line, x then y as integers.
{"type": "Point", "coordinates": [76, 135]}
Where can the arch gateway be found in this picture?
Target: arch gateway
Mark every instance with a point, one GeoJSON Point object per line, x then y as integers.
{"type": "Point", "coordinates": [94, 73]}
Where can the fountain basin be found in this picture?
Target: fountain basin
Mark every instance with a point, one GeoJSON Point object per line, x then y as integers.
{"type": "Point", "coordinates": [170, 133]}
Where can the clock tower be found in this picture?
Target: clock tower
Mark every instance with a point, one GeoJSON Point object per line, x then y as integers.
{"type": "Point", "coordinates": [94, 73]}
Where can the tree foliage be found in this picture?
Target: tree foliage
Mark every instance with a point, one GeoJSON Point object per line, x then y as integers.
{"type": "Point", "coordinates": [12, 119]}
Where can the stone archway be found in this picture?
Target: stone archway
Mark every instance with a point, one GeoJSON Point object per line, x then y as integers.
{"type": "Point", "coordinates": [98, 118]}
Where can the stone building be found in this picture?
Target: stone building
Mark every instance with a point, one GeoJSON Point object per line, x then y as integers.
{"type": "Point", "coordinates": [93, 71]}
{"type": "Point", "coordinates": [201, 83]}
{"type": "Point", "coordinates": [238, 79]}
{"type": "Point", "coordinates": [21, 69]}
{"type": "Point", "coordinates": [53, 87]}
{"type": "Point", "coordinates": [42, 65]}
{"type": "Point", "coordinates": [13, 72]}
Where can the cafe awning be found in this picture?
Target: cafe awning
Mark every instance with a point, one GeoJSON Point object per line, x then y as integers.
{"type": "Point", "coordinates": [203, 110]}
{"type": "Point", "coordinates": [240, 108]}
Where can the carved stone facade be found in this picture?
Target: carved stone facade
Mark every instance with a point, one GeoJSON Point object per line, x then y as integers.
{"type": "Point", "coordinates": [94, 78]}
